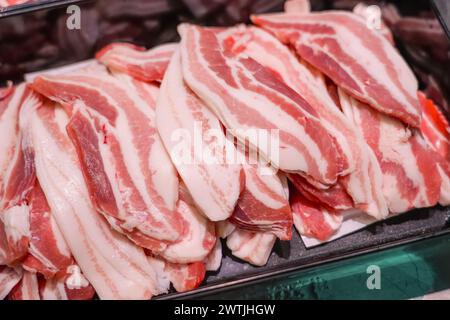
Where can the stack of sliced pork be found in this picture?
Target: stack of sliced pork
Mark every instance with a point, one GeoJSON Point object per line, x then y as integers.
{"type": "Point", "coordinates": [98, 198]}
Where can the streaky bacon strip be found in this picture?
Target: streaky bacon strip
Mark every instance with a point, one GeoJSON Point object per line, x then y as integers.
{"type": "Point", "coordinates": [360, 60]}
{"type": "Point", "coordinates": [17, 173]}
{"type": "Point", "coordinates": [252, 247]}
{"type": "Point", "coordinates": [115, 267]}
{"type": "Point", "coordinates": [245, 95]}
{"type": "Point", "coordinates": [263, 205]}
{"type": "Point", "coordinates": [313, 219]}
{"type": "Point", "coordinates": [145, 65]}
{"type": "Point", "coordinates": [436, 131]}
{"type": "Point", "coordinates": [410, 174]}
{"type": "Point", "coordinates": [213, 182]}
{"type": "Point", "coordinates": [113, 129]}
{"type": "Point", "coordinates": [48, 251]}
{"type": "Point", "coordinates": [27, 288]}
{"type": "Point", "coordinates": [9, 277]}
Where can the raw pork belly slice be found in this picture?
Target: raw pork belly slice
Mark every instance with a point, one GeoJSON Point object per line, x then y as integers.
{"type": "Point", "coordinates": [27, 288]}
{"type": "Point", "coordinates": [313, 219]}
{"type": "Point", "coordinates": [195, 140]}
{"type": "Point", "coordinates": [263, 205]}
{"type": "Point", "coordinates": [48, 251]}
{"type": "Point", "coordinates": [252, 247]}
{"type": "Point", "coordinates": [363, 182]}
{"type": "Point", "coordinates": [115, 267]}
{"type": "Point", "coordinates": [436, 132]}
{"type": "Point", "coordinates": [123, 160]}
{"type": "Point", "coordinates": [245, 95]}
{"type": "Point", "coordinates": [198, 238]}
{"type": "Point", "coordinates": [410, 175]}
{"type": "Point", "coordinates": [9, 277]}
{"type": "Point", "coordinates": [145, 65]}
{"type": "Point", "coordinates": [357, 58]}
{"type": "Point", "coordinates": [17, 174]}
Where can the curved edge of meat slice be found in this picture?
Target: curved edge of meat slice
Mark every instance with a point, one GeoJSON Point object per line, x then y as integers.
{"type": "Point", "coordinates": [252, 247]}
{"type": "Point", "coordinates": [198, 239]}
{"type": "Point", "coordinates": [145, 65]}
{"type": "Point", "coordinates": [313, 219]}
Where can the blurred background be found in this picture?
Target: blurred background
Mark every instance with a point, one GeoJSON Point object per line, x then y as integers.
{"type": "Point", "coordinates": [34, 34]}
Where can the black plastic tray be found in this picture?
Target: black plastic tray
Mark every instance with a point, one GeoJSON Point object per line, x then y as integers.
{"type": "Point", "coordinates": [292, 256]}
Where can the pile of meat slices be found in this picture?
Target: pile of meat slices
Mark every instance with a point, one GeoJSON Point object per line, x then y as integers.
{"type": "Point", "coordinates": [93, 200]}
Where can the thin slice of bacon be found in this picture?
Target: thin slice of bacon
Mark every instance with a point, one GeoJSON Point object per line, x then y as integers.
{"type": "Point", "coordinates": [115, 267]}
{"type": "Point", "coordinates": [361, 186]}
{"type": "Point", "coordinates": [200, 149]}
{"type": "Point", "coordinates": [48, 251]}
{"type": "Point", "coordinates": [313, 219]}
{"type": "Point", "coordinates": [17, 174]}
{"type": "Point", "coordinates": [357, 58]}
{"type": "Point", "coordinates": [145, 65]}
{"type": "Point", "coordinates": [9, 277]}
{"type": "Point", "coordinates": [410, 174]}
{"type": "Point", "coordinates": [246, 96]}
{"type": "Point", "coordinates": [252, 247]}
{"type": "Point", "coordinates": [112, 126]}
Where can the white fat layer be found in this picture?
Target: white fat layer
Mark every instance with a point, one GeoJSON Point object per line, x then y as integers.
{"type": "Point", "coordinates": [16, 221]}
{"type": "Point", "coordinates": [254, 248]}
{"type": "Point", "coordinates": [224, 229]}
{"type": "Point", "coordinates": [214, 259]}
{"type": "Point", "coordinates": [213, 184]}
{"type": "Point", "coordinates": [162, 277]}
